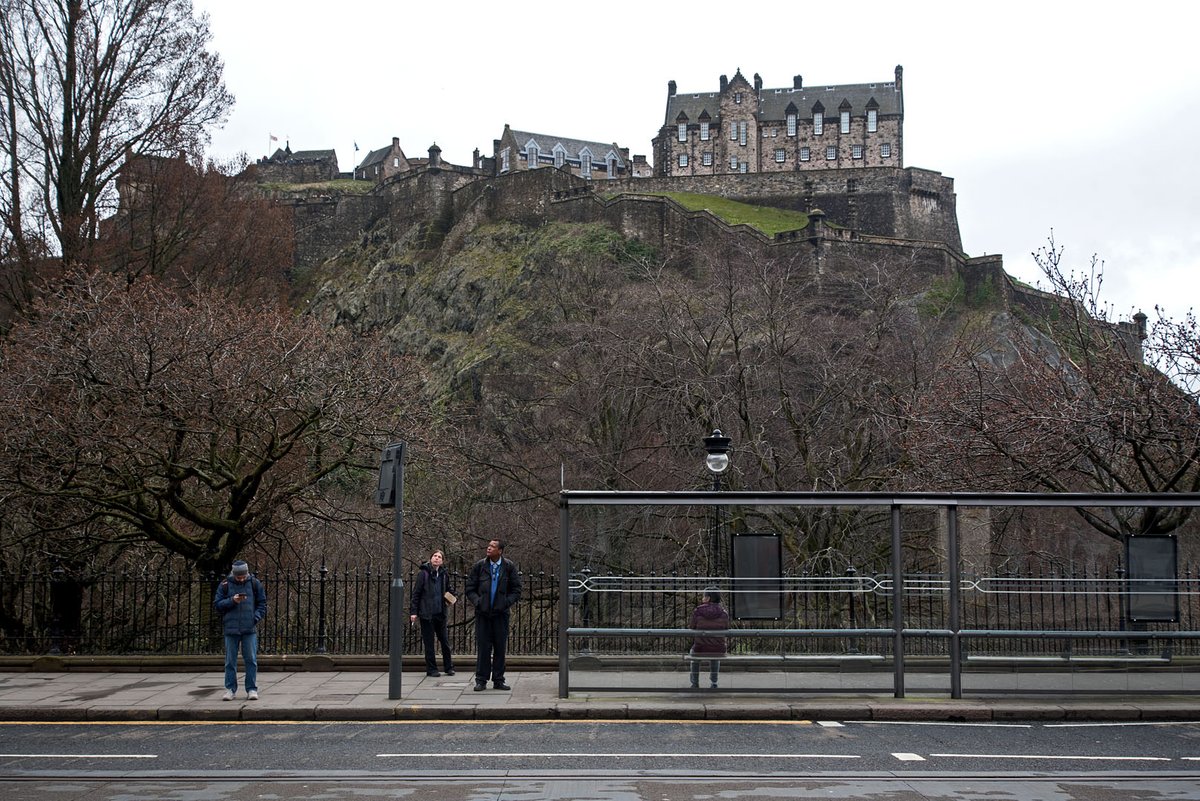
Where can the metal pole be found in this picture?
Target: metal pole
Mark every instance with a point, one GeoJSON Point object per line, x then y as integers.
{"type": "Point", "coordinates": [716, 533]}
{"type": "Point", "coordinates": [564, 596]}
{"type": "Point", "coordinates": [897, 605]}
{"type": "Point", "coordinates": [321, 611]}
{"type": "Point", "coordinates": [955, 601]}
{"type": "Point", "coordinates": [396, 596]}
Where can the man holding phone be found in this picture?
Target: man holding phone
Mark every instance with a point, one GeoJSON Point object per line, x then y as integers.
{"type": "Point", "coordinates": [242, 602]}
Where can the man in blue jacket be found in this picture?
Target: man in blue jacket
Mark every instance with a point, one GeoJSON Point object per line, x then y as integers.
{"type": "Point", "coordinates": [242, 602]}
{"type": "Point", "coordinates": [493, 588]}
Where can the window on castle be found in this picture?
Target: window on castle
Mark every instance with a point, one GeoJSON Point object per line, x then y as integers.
{"type": "Point", "coordinates": [791, 125]}
{"type": "Point", "coordinates": [737, 97]}
{"type": "Point", "coordinates": [744, 167]}
{"type": "Point", "coordinates": [733, 162]}
{"type": "Point", "coordinates": [845, 125]}
{"type": "Point", "coordinates": [531, 156]}
{"type": "Point", "coordinates": [683, 132]}
{"type": "Point", "coordinates": [396, 161]}
{"type": "Point", "coordinates": [885, 150]}
{"type": "Point", "coordinates": [856, 151]}
{"type": "Point", "coordinates": [742, 135]}
{"type": "Point", "coordinates": [706, 158]}
{"type": "Point", "coordinates": [872, 120]}
{"type": "Point", "coordinates": [805, 154]}
{"type": "Point", "coordinates": [585, 165]}
{"type": "Point", "coordinates": [831, 153]}
{"type": "Point", "coordinates": [612, 168]}
{"type": "Point", "coordinates": [704, 131]}
{"type": "Point", "coordinates": [780, 155]}
{"type": "Point", "coordinates": [504, 160]}
{"type": "Point", "coordinates": [683, 159]}
{"type": "Point", "coordinates": [818, 123]}
{"type": "Point", "coordinates": [732, 131]}
{"type": "Point", "coordinates": [559, 158]}
{"type": "Point", "coordinates": [774, 132]}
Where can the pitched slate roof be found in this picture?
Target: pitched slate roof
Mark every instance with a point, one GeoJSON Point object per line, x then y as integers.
{"type": "Point", "coordinates": [374, 157]}
{"type": "Point", "coordinates": [772, 103]}
{"type": "Point", "coordinates": [313, 155]}
{"type": "Point", "coordinates": [573, 147]}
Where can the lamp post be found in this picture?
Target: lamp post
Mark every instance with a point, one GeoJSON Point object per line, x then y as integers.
{"type": "Point", "coordinates": [716, 447]}
{"type": "Point", "coordinates": [391, 495]}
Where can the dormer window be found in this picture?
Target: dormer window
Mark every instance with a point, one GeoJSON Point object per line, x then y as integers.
{"type": "Point", "coordinates": [845, 121]}
{"type": "Point", "coordinates": [791, 125]}
{"type": "Point", "coordinates": [818, 123]}
{"type": "Point", "coordinates": [560, 156]}
{"type": "Point", "coordinates": [531, 155]}
{"type": "Point", "coordinates": [585, 164]}
{"type": "Point", "coordinates": [872, 120]}
{"type": "Point", "coordinates": [682, 131]}
{"type": "Point", "coordinates": [704, 132]}
{"type": "Point", "coordinates": [612, 166]}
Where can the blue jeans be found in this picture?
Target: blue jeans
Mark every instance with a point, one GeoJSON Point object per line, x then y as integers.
{"type": "Point", "coordinates": [249, 645]}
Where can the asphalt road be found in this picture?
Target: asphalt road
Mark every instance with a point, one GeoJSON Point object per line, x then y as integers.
{"type": "Point", "coordinates": [625, 761]}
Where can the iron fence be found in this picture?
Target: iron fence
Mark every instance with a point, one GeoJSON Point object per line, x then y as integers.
{"type": "Point", "coordinates": [345, 611]}
{"type": "Point", "coordinates": [321, 611]}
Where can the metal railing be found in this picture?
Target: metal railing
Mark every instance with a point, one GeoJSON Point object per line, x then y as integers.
{"type": "Point", "coordinates": [316, 611]}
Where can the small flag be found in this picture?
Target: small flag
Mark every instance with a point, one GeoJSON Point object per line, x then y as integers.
{"type": "Point", "coordinates": [356, 147]}
{"type": "Point", "coordinates": [274, 138]}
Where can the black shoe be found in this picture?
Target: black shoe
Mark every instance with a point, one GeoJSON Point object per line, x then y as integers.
{"type": "Point", "coordinates": [480, 686]}
{"type": "Point", "coordinates": [499, 685]}
{"type": "Point", "coordinates": [449, 671]}
{"type": "Point", "coordinates": [433, 673]}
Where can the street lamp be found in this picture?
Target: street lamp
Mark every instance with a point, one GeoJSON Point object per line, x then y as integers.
{"type": "Point", "coordinates": [716, 448]}
{"type": "Point", "coordinates": [390, 495]}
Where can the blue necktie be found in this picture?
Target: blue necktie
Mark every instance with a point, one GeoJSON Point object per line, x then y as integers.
{"type": "Point", "coordinates": [495, 580]}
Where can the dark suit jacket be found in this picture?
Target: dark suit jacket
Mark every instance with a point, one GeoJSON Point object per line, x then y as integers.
{"type": "Point", "coordinates": [479, 587]}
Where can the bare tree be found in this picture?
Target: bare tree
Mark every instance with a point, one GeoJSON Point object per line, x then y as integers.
{"type": "Point", "coordinates": [1059, 399]}
{"type": "Point", "coordinates": [196, 424]}
{"type": "Point", "coordinates": [85, 84]}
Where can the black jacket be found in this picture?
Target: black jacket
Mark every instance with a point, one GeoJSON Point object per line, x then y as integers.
{"type": "Point", "coordinates": [479, 587]}
{"type": "Point", "coordinates": [426, 599]}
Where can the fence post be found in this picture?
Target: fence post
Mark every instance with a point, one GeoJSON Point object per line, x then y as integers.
{"type": "Point", "coordinates": [321, 611]}
{"type": "Point", "coordinates": [56, 613]}
{"type": "Point", "coordinates": [854, 585]}
{"type": "Point", "coordinates": [897, 604]}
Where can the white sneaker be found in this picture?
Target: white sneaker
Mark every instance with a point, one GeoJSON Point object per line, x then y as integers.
{"type": "Point", "coordinates": [228, 696]}
{"type": "Point", "coordinates": [252, 695]}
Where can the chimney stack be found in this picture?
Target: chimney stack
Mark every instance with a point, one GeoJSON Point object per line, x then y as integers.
{"type": "Point", "coordinates": [757, 82]}
{"type": "Point", "coordinates": [670, 88]}
{"type": "Point", "coordinates": [797, 81]}
{"type": "Point", "coordinates": [724, 82]}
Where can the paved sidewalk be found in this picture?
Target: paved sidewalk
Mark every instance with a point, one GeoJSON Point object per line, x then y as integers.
{"type": "Point", "coordinates": [363, 695]}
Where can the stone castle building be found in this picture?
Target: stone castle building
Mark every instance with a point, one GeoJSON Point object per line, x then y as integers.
{"type": "Point", "coordinates": [298, 167]}
{"type": "Point", "coordinates": [744, 128]}
{"type": "Point", "coordinates": [520, 150]}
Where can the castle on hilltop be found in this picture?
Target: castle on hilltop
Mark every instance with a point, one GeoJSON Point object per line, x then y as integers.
{"type": "Point", "coordinates": [832, 153]}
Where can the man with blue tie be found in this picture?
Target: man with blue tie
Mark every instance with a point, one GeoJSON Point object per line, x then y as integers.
{"type": "Point", "coordinates": [493, 588]}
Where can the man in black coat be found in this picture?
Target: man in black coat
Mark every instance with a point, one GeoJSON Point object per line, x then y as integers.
{"type": "Point", "coordinates": [493, 588]}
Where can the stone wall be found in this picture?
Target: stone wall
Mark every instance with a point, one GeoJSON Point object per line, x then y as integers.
{"type": "Point", "coordinates": [908, 203]}
{"type": "Point", "coordinates": [326, 225]}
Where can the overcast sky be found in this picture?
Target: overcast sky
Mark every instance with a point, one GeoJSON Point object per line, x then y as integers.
{"type": "Point", "coordinates": [1077, 117]}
